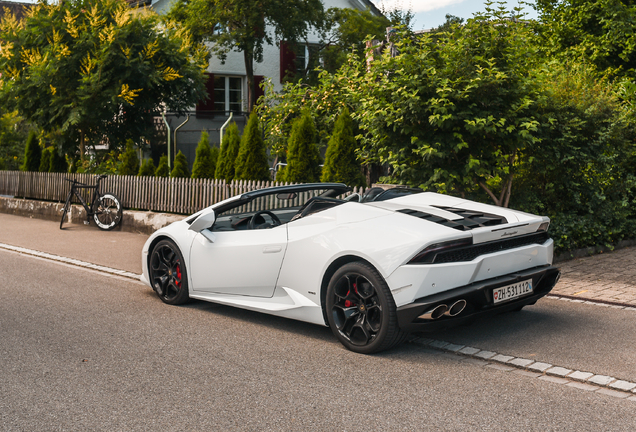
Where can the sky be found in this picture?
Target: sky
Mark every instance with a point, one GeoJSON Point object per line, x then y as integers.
{"type": "Point", "coordinates": [432, 13]}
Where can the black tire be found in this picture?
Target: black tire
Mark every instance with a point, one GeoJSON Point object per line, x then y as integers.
{"type": "Point", "coordinates": [361, 310]}
{"type": "Point", "coordinates": [108, 212]}
{"type": "Point", "coordinates": [168, 275]}
{"type": "Point", "coordinates": [65, 210]}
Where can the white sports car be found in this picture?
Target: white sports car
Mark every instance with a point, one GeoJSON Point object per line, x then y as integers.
{"type": "Point", "coordinates": [372, 268]}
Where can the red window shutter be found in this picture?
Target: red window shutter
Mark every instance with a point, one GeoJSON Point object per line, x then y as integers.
{"type": "Point", "coordinates": [208, 104]}
{"type": "Point", "coordinates": [258, 91]}
{"type": "Point", "coordinates": [287, 61]}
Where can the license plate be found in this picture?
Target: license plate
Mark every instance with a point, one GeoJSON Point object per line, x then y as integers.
{"type": "Point", "coordinates": [511, 292]}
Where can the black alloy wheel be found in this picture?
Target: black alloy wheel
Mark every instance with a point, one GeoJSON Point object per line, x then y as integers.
{"type": "Point", "coordinates": [361, 310]}
{"type": "Point", "coordinates": [168, 275]}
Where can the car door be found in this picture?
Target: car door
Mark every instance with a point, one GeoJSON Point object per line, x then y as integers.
{"type": "Point", "coordinates": [243, 262]}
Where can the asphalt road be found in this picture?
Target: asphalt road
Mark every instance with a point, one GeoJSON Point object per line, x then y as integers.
{"type": "Point", "coordinates": [83, 351]}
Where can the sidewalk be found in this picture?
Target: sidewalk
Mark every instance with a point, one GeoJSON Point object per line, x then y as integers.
{"type": "Point", "coordinates": [608, 277]}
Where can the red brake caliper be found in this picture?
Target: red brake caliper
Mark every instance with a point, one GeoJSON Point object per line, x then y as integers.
{"type": "Point", "coordinates": [178, 281]}
{"type": "Point", "coordinates": [349, 303]}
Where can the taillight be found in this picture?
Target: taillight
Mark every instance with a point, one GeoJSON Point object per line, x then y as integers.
{"type": "Point", "coordinates": [543, 227]}
{"type": "Point", "coordinates": [427, 256]}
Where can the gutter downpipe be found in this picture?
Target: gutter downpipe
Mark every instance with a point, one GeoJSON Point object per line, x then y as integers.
{"type": "Point", "coordinates": [163, 116]}
{"type": "Point", "coordinates": [175, 134]}
{"type": "Point", "coordinates": [223, 127]}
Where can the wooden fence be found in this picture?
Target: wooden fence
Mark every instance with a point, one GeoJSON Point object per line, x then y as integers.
{"type": "Point", "coordinates": [172, 195]}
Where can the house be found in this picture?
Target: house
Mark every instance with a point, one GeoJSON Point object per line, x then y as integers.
{"type": "Point", "coordinates": [227, 82]}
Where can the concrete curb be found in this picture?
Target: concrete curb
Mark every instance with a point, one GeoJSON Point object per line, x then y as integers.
{"type": "Point", "coordinates": [144, 222]}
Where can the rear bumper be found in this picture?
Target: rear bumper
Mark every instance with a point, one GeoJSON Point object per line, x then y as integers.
{"type": "Point", "coordinates": [478, 297]}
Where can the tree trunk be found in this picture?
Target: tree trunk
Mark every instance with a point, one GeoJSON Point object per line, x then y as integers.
{"type": "Point", "coordinates": [249, 72]}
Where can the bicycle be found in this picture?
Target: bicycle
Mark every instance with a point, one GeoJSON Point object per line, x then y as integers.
{"type": "Point", "coordinates": [105, 208]}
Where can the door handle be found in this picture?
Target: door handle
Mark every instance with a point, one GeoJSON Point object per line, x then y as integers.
{"type": "Point", "coordinates": [272, 249]}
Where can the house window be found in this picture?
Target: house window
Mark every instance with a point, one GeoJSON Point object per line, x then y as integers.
{"type": "Point", "coordinates": [228, 93]}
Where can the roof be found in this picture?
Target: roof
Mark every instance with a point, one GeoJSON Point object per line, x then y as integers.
{"type": "Point", "coordinates": [371, 7]}
{"type": "Point", "coordinates": [18, 9]}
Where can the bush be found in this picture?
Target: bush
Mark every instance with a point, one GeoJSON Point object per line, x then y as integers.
{"type": "Point", "coordinates": [341, 164]}
{"type": "Point", "coordinates": [58, 161]}
{"type": "Point", "coordinates": [303, 157]}
{"type": "Point", "coordinates": [251, 163]}
{"type": "Point", "coordinates": [45, 160]}
{"type": "Point", "coordinates": [32, 153]}
{"type": "Point", "coordinates": [180, 166]}
{"type": "Point", "coordinates": [163, 170]}
{"type": "Point", "coordinates": [204, 162]}
{"type": "Point", "coordinates": [147, 168]}
{"type": "Point", "coordinates": [129, 162]}
{"type": "Point", "coordinates": [229, 151]}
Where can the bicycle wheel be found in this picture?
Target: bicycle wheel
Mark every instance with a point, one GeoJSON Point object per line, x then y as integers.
{"type": "Point", "coordinates": [65, 209]}
{"type": "Point", "coordinates": [108, 211]}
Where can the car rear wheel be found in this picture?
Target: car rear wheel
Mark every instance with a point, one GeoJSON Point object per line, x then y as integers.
{"type": "Point", "coordinates": [168, 275]}
{"type": "Point", "coordinates": [361, 310]}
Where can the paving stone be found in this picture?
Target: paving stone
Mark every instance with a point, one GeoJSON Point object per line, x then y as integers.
{"type": "Point", "coordinates": [623, 385]}
{"type": "Point", "coordinates": [526, 373]}
{"type": "Point", "coordinates": [469, 350]}
{"type": "Point", "coordinates": [553, 379]}
{"type": "Point", "coordinates": [502, 358]}
{"type": "Point", "coordinates": [422, 341]}
{"type": "Point", "coordinates": [613, 393]}
{"type": "Point", "coordinates": [485, 354]}
{"type": "Point", "coordinates": [500, 367]}
{"type": "Point", "coordinates": [558, 371]}
{"type": "Point", "coordinates": [601, 379]}
{"type": "Point", "coordinates": [582, 386]}
{"type": "Point", "coordinates": [521, 362]}
{"type": "Point", "coordinates": [538, 366]}
{"type": "Point", "coordinates": [453, 347]}
{"type": "Point", "coordinates": [438, 344]}
{"type": "Point", "coordinates": [632, 398]}
{"type": "Point", "coordinates": [475, 361]}
{"type": "Point", "coordinates": [581, 376]}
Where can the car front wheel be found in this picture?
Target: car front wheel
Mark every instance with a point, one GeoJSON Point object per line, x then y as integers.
{"type": "Point", "coordinates": [361, 310]}
{"type": "Point", "coordinates": [168, 275]}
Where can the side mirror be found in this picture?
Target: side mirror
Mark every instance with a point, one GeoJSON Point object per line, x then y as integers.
{"type": "Point", "coordinates": [205, 220]}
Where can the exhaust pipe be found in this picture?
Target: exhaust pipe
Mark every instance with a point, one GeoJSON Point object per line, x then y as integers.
{"type": "Point", "coordinates": [434, 313]}
{"type": "Point", "coordinates": [456, 308]}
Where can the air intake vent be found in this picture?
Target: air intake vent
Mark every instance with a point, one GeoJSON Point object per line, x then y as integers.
{"type": "Point", "coordinates": [470, 219]}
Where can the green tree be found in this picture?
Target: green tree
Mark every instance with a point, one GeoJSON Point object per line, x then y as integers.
{"type": "Point", "coordinates": [128, 160]}
{"type": "Point", "coordinates": [599, 31]}
{"type": "Point", "coordinates": [303, 157]}
{"type": "Point", "coordinates": [163, 170]}
{"type": "Point", "coordinates": [32, 153]}
{"type": "Point", "coordinates": [58, 161]}
{"type": "Point", "coordinates": [13, 134]}
{"type": "Point", "coordinates": [147, 168]}
{"type": "Point", "coordinates": [45, 160]}
{"type": "Point", "coordinates": [204, 162]}
{"type": "Point", "coordinates": [100, 72]}
{"type": "Point", "coordinates": [242, 25]}
{"type": "Point", "coordinates": [229, 152]}
{"type": "Point", "coordinates": [180, 166]}
{"type": "Point", "coordinates": [251, 162]}
{"type": "Point", "coordinates": [341, 164]}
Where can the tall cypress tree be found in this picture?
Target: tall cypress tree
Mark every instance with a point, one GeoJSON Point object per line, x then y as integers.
{"type": "Point", "coordinates": [163, 170]}
{"type": "Point", "coordinates": [229, 152]}
{"type": "Point", "coordinates": [45, 160]}
{"type": "Point", "coordinates": [204, 163]}
{"type": "Point", "coordinates": [341, 164]}
{"type": "Point", "coordinates": [129, 160]}
{"type": "Point", "coordinates": [58, 161]}
{"type": "Point", "coordinates": [180, 166]}
{"type": "Point", "coordinates": [303, 156]}
{"type": "Point", "coordinates": [32, 153]}
{"type": "Point", "coordinates": [251, 163]}
{"type": "Point", "coordinates": [147, 169]}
